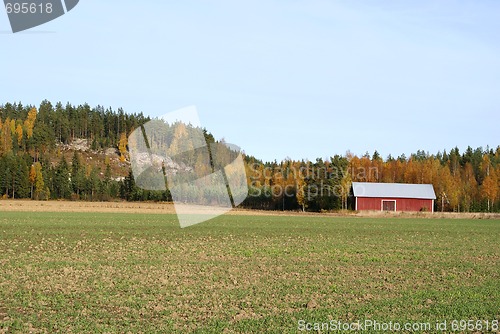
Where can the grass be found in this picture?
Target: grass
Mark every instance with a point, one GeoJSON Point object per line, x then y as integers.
{"type": "Point", "coordinates": [119, 273]}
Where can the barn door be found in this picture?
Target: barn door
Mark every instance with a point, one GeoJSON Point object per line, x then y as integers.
{"type": "Point", "coordinates": [388, 205]}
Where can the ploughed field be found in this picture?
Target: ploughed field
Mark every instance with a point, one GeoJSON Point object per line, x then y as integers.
{"type": "Point", "coordinates": [124, 272]}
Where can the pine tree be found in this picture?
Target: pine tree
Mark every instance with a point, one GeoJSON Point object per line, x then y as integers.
{"type": "Point", "coordinates": [62, 185]}
{"type": "Point", "coordinates": [93, 183]}
{"type": "Point", "coordinates": [40, 189]}
{"type": "Point", "coordinates": [77, 174]}
{"type": "Point", "coordinates": [9, 174]}
{"type": "Point", "coordinates": [128, 188]}
{"type": "Point", "coordinates": [21, 188]}
{"type": "Point", "coordinates": [106, 183]}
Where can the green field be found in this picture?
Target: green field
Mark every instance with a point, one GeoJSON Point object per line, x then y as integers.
{"type": "Point", "coordinates": [119, 273]}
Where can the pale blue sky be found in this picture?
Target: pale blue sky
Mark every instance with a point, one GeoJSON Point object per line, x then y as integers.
{"type": "Point", "coordinates": [302, 79]}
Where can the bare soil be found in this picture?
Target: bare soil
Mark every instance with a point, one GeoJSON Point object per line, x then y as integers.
{"type": "Point", "coordinates": [69, 206]}
{"type": "Point", "coordinates": [168, 208]}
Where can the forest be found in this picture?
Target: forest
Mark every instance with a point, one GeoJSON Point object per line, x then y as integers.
{"type": "Point", "coordinates": [35, 163]}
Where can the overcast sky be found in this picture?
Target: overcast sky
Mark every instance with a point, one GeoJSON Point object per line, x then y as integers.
{"type": "Point", "coordinates": [299, 79]}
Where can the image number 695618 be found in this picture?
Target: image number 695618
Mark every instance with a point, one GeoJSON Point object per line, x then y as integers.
{"type": "Point", "coordinates": [28, 7]}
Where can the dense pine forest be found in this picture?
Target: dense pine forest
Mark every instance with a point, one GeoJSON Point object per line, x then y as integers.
{"type": "Point", "coordinates": [80, 153]}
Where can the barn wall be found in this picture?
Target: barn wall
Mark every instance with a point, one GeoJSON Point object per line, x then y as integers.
{"type": "Point", "coordinates": [402, 204]}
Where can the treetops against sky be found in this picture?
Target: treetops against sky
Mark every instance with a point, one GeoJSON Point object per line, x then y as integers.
{"type": "Point", "coordinates": [31, 166]}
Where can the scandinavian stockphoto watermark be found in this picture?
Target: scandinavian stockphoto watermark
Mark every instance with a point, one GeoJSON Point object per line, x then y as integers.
{"type": "Point", "coordinates": [205, 179]}
{"type": "Point", "coordinates": [26, 14]}
{"type": "Point", "coordinates": [276, 180]}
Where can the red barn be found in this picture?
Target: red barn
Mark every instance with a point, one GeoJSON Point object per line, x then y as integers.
{"type": "Point", "coordinates": [393, 196]}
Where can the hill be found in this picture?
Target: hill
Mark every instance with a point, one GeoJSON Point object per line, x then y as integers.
{"type": "Point", "coordinates": [80, 152]}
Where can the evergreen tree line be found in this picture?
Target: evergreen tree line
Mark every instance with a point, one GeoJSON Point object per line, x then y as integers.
{"type": "Point", "coordinates": [32, 167]}
{"type": "Point", "coordinates": [20, 177]}
{"type": "Point", "coordinates": [38, 130]}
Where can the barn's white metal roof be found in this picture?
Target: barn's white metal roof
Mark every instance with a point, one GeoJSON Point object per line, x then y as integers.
{"type": "Point", "coordinates": [396, 190]}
